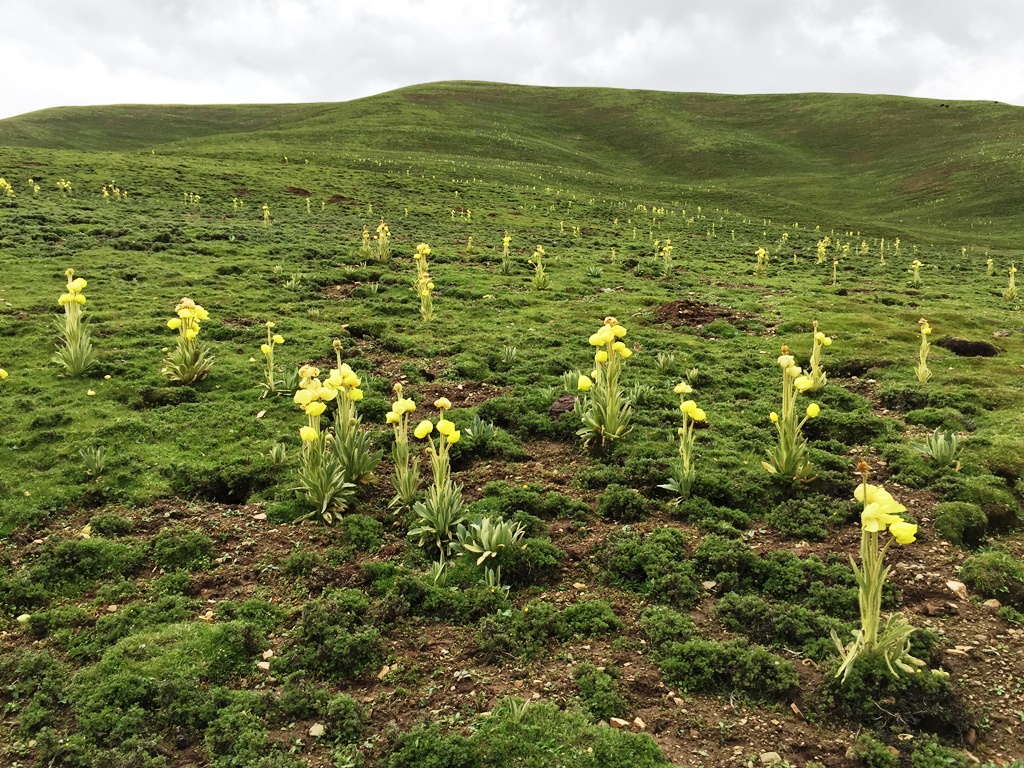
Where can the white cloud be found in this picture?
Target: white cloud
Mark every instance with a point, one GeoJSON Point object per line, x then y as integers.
{"type": "Point", "coordinates": [195, 51]}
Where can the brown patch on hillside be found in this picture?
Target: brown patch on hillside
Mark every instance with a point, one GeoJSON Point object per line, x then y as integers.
{"type": "Point", "coordinates": [695, 314]}
{"type": "Point", "coordinates": [335, 199]}
{"type": "Point", "coordinates": [298, 191]}
{"type": "Point", "coordinates": [933, 181]}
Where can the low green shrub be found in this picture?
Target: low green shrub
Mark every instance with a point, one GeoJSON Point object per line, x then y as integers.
{"type": "Point", "coordinates": [598, 690]}
{"type": "Point", "coordinates": [621, 504]}
{"type": "Point", "coordinates": [179, 549]}
{"type": "Point", "coordinates": [331, 640]}
{"type": "Point", "coordinates": [961, 523]}
{"type": "Point", "coordinates": [110, 526]}
{"type": "Point", "coordinates": [995, 574]}
{"type": "Point", "coordinates": [735, 666]}
{"type": "Point", "coordinates": [779, 624]}
{"type": "Point", "coordinates": [922, 702]}
{"type": "Point", "coordinates": [995, 499]}
{"type": "Point", "coordinates": [656, 564]}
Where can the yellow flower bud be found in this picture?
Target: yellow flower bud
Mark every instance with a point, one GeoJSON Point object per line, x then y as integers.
{"type": "Point", "coordinates": [392, 417]}
{"type": "Point", "coordinates": [423, 429]}
{"type": "Point", "coordinates": [785, 361]}
{"type": "Point", "coordinates": [315, 408]}
{"type": "Point", "coordinates": [618, 331]}
{"type": "Point", "coordinates": [803, 383]}
{"type": "Point", "coordinates": [191, 333]}
{"type": "Point", "coordinates": [307, 433]}
{"type": "Point", "coordinates": [688, 407]}
{"type": "Point", "coordinates": [584, 383]}
{"type": "Point", "coordinates": [442, 403]}
{"type": "Point", "coordinates": [79, 298]}
{"type": "Point", "coordinates": [813, 410]}
{"type": "Point", "coordinates": [682, 388]}
{"type": "Point", "coordinates": [3, 374]}
{"type": "Point", "coordinates": [698, 414]}
{"type": "Point", "coordinates": [303, 397]}
{"type": "Point", "coordinates": [265, 349]}
{"type": "Point", "coordinates": [903, 532]}
{"type": "Point", "coordinates": [445, 427]}
{"type": "Point", "coordinates": [774, 417]}
{"type": "Point", "coordinates": [355, 395]}
{"type": "Point", "coordinates": [326, 393]}
{"type": "Point", "coordinates": [278, 338]}
{"type": "Point", "coordinates": [601, 356]}
{"type": "Point", "coordinates": [453, 438]}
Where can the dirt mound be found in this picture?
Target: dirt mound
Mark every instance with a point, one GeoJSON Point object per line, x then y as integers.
{"type": "Point", "coordinates": [298, 191]}
{"type": "Point", "coordinates": [695, 314]}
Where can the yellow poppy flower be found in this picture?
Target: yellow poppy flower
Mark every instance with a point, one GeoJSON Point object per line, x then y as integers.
{"type": "Point", "coordinates": [423, 429]}
{"type": "Point", "coordinates": [813, 410]}
{"type": "Point", "coordinates": [315, 408]}
{"type": "Point", "coordinates": [278, 338]}
{"type": "Point", "coordinates": [307, 433]}
{"type": "Point", "coordinates": [442, 403]}
{"type": "Point", "coordinates": [584, 383]}
{"type": "Point", "coordinates": [445, 427]}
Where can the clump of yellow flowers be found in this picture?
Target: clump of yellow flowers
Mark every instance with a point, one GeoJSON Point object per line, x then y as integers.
{"type": "Point", "coordinates": [267, 348]}
{"type": "Point", "coordinates": [332, 465]}
{"type": "Point", "coordinates": [423, 285]}
{"type": "Point", "coordinates": [506, 258]}
{"type": "Point", "coordinates": [541, 281]}
{"type": "Point", "coordinates": [789, 456]}
{"type": "Point", "coordinates": [75, 352]}
{"type": "Point", "coordinates": [683, 472]}
{"type": "Point", "coordinates": [321, 478]}
{"type": "Point", "coordinates": [190, 360]}
{"type": "Point", "coordinates": [921, 369]}
{"type": "Point", "coordinates": [892, 641]}
{"type": "Point", "coordinates": [442, 510]}
{"type": "Point", "coordinates": [605, 410]}
{"type": "Point", "coordinates": [762, 262]}
{"type": "Point", "coordinates": [915, 268]}
{"type": "Point", "coordinates": [818, 377]}
{"type": "Point", "coordinates": [382, 242]}
{"type": "Point", "coordinates": [1010, 294]}
{"type": "Point", "coordinates": [406, 479]}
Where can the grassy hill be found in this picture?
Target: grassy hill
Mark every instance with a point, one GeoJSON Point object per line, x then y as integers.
{"type": "Point", "coordinates": [949, 170]}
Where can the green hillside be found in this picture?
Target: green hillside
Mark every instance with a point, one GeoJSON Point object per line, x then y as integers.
{"type": "Point", "coordinates": [944, 169]}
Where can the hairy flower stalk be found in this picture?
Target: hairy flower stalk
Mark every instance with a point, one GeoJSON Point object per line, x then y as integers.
{"type": "Point", "coordinates": [506, 259]}
{"type": "Point", "coordinates": [1010, 294]}
{"type": "Point", "coordinates": [406, 479]}
{"type": "Point", "coordinates": [892, 640]}
{"type": "Point", "coordinates": [423, 285]}
{"type": "Point", "coordinates": [789, 456]}
{"type": "Point", "coordinates": [273, 340]}
{"type": "Point", "coordinates": [605, 410]}
{"type": "Point", "coordinates": [190, 360]}
{"type": "Point", "coordinates": [541, 281]}
{"type": "Point", "coordinates": [321, 479]}
{"type": "Point", "coordinates": [921, 369]}
{"type": "Point", "coordinates": [382, 242]}
{"type": "Point", "coordinates": [75, 352]}
{"type": "Point", "coordinates": [818, 377]}
{"type": "Point", "coordinates": [915, 267]}
{"type": "Point", "coordinates": [442, 510]}
{"type": "Point", "coordinates": [683, 471]}
{"type": "Point", "coordinates": [762, 262]}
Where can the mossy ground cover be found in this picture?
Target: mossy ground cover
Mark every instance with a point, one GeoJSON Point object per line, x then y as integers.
{"type": "Point", "coordinates": [192, 606]}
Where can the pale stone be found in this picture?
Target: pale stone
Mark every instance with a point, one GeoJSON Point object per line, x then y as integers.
{"type": "Point", "coordinates": [316, 730]}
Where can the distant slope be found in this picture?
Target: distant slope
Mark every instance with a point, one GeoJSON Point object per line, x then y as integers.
{"type": "Point", "coordinates": [920, 163]}
{"type": "Point", "coordinates": [135, 126]}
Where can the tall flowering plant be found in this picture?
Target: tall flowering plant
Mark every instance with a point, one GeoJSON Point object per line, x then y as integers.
{"type": "Point", "coordinates": [818, 377]}
{"type": "Point", "coordinates": [442, 510]}
{"type": "Point", "coordinates": [406, 479]}
{"type": "Point", "coordinates": [605, 410]}
{"type": "Point", "coordinates": [190, 360]}
{"type": "Point", "coordinates": [881, 514]}
{"type": "Point", "coordinates": [789, 455]}
{"type": "Point", "coordinates": [321, 478]}
{"type": "Point", "coordinates": [75, 352]}
{"type": "Point", "coordinates": [683, 471]}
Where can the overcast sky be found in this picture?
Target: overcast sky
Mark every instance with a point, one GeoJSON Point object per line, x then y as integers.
{"type": "Point", "coordinates": [83, 52]}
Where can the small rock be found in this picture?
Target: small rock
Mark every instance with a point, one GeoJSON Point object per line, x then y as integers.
{"type": "Point", "coordinates": [770, 758]}
{"type": "Point", "coordinates": [383, 672]}
{"type": "Point", "coordinates": [268, 654]}
{"type": "Point", "coordinates": [993, 603]}
{"type": "Point", "coordinates": [316, 730]}
{"type": "Point", "coordinates": [111, 609]}
{"type": "Point", "coordinates": [260, 516]}
{"type": "Point", "coordinates": [709, 585]}
{"type": "Point", "coordinates": [677, 701]}
{"type": "Point", "coordinates": [264, 665]}
{"type": "Point", "coordinates": [579, 585]}
{"type": "Point", "coordinates": [618, 722]}
{"type": "Point", "coordinates": [1002, 334]}
{"type": "Point", "coordinates": [958, 588]}
{"type": "Point", "coordinates": [796, 710]}
{"type": "Point", "coordinates": [640, 724]}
